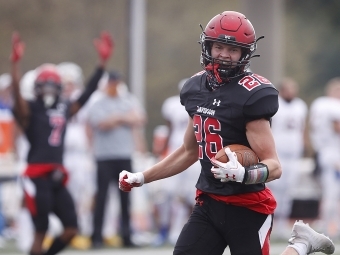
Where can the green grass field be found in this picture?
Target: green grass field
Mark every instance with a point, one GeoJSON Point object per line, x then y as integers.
{"type": "Point", "coordinates": [10, 249]}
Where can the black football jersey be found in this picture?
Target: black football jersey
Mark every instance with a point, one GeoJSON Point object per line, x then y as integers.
{"type": "Point", "coordinates": [220, 117]}
{"type": "Point", "coordinates": [46, 132]}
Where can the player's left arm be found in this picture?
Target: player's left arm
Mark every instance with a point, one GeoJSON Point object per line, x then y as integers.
{"type": "Point", "coordinates": [258, 110]}
{"type": "Point", "coordinates": [261, 140]}
{"type": "Point", "coordinates": [105, 47]}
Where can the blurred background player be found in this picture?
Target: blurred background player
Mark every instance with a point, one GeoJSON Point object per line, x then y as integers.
{"type": "Point", "coordinates": [288, 127]}
{"type": "Point", "coordinates": [114, 119]}
{"type": "Point", "coordinates": [173, 201]}
{"type": "Point", "coordinates": [44, 123]}
{"type": "Point", "coordinates": [325, 138]}
{"type": "Point", "coordinates": [78, 154]}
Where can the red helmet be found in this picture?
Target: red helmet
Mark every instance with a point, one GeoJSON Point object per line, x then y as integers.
{"type": "Point", "coordinates": [48, 79]}
{"type": "Point", "coordinates": [48, 73]}
{"type": "Point", "coordinates": [231, 28]}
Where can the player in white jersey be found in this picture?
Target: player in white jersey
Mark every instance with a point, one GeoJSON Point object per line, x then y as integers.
{"type": "Point", "coordinates": [174, 200]}
{"type": "Point", "coordinates": [78, 155]}
{"type": "Point", "coordinates": [325, 137]}
{"type": "Point", "coordinates": [288, 127]}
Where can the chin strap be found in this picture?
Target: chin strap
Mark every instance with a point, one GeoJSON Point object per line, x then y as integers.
{"type": "Point", "coordinates": [214, 79]}
{"type": "Point", "coordinates": [213, 68]}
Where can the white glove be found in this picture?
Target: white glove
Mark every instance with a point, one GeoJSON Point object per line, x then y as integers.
{"type": "Point", "coordinates": [128, 180]}
{"type": "Point", "coordinates": [230, 171]}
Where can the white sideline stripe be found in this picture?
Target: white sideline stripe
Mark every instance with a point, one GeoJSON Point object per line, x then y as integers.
{"type": "Point", "coordinates": [265, 229]}
{"type": "Point", "coordinates": [29, 186]}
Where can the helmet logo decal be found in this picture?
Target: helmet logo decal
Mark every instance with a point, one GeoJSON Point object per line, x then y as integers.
{"type": "Point", "coordinates": [227, 38]}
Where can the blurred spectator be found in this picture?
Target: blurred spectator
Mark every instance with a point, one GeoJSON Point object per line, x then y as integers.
{"type": "Point", "coordinates": [325, 138]}
{"type": "Point", "coordinates": [173, 201]}
{"type": "Point", "coordinates": [25, 228]}
{"type": "Point", "coordinates": [6, 117]}
{"type": "Point", "coordinates": [6, 143]}
{"type": "Point", "coordinates": [288, 127]}
{"type": "Point", "coordinates": [115, 119]}
{"type": "Point", "coordinates": [78, 155]}
{"type": "Point", "coordinates": [43, 120]}
{"type": "Point", "coordinates": [6, 100]}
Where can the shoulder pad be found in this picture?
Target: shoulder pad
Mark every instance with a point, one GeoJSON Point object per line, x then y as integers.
{"type": "Point", "coordinates": [263, 103]}
{"type": "Point", "coordinates": [192, 86]}
{"type": "Point", "coordinates": [199, 73]}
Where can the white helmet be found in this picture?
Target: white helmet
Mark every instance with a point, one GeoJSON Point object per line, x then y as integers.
{"type": "Point", "coordinates": [71, 72]}
{"type": "Point", "coordinates": [27, 85]}
{"type": "Point", "coordinates": [5, 81]}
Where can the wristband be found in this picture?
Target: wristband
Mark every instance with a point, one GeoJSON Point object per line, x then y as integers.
{"type": "Point", "coordinates": [255, 174]}
{"type": "Point", "coordinates": [140, 178]}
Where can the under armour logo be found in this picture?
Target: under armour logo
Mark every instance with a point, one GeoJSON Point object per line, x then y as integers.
{"type": "Point", "coordinates": [216, 102]}
{"type": "Point", "coordinates": [232, 176]}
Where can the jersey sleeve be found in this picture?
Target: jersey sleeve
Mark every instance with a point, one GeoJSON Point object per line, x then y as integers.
{"type": "Point", "coordinates": [262, 104]}
{"type": "Point", "coordinates": [184, 94]}
{"type": "Point", "coordinates": [190, 88]}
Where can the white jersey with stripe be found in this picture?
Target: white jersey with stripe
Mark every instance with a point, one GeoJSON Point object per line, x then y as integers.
{"type": "Point", "coordinates": [323, 112]}
{"type": "Point", "coordinates": [174, 112]}
{"type": "Point", "coordinates": [288, 126]}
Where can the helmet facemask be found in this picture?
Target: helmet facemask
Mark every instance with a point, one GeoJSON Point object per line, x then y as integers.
{"type": "Point", "coordinates": [48, 92]}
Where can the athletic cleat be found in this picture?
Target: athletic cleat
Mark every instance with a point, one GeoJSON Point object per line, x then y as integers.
{"type": "Point", "coordinates": [315, 242]}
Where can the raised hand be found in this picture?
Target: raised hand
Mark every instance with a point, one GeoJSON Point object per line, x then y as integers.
{"type": "Point", "coordinates": [104, 45]}
{"type": "Point", "coordinates": [18, 48]}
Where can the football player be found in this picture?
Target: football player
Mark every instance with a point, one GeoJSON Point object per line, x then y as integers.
{"type": "Point", "coordinates": [288, 127]}
{"type": "Point", "coordinates": [325, 136]}
{"type": "Point", "coordinates": [77, 154]}
{"type": "Point", "coordinates": [227, 104]}
{"type": "Point", "coordinates": [43, 120]}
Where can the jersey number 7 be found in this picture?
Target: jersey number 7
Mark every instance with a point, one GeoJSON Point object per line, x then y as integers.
{"type": "Point", "coordinates": [58, 124]}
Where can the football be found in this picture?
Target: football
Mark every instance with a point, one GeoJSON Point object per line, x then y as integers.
{"type": "Point", "coordinates": [245, 155]}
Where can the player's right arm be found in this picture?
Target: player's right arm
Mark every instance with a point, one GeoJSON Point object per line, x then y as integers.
{"type": "Point", "coordinates": [20, 109]}
{"type": "Point", "coordinates": [175, 163]}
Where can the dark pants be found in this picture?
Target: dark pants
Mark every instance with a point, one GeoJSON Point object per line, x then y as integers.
{"type": "Point", "coordinates": [214, 225]}
{"type": "Point", "coordinates": [51, 196]}
{"type": "Point", "coordinates": [108, 171]}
